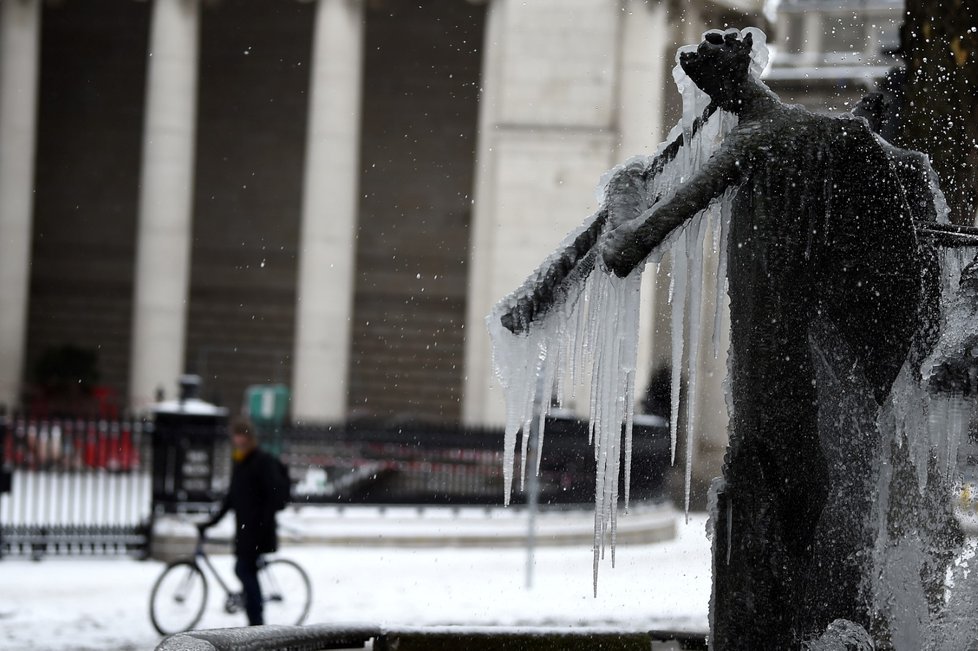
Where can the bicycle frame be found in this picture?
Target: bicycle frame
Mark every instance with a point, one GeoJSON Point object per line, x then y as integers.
{"type": "Point", "coordinates": [201, 555]}
{"type": "Point", "coordinates": [233, 597]}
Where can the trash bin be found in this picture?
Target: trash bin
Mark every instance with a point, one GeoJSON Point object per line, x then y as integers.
{"type": "Point", "coordinates": [186, 435]}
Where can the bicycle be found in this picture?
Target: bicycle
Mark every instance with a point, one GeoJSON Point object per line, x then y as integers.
{"type": "Point", "coordinates": [179, 595]}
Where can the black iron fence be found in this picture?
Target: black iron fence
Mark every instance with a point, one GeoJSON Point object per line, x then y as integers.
{"type": "Point", "coordinates": [431, 464]}
{"type": "Point", "coordinates": [94, 486]}
{"type": "Point", "coordinates": [76, 486]}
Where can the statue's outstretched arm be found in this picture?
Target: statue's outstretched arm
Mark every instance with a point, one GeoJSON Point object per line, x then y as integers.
{"type": "Point", "coordinates": [548, 283]}
{"type": "Point", "coordinates": [627, 245]}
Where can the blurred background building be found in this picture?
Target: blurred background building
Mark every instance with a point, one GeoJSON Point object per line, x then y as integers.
{"type": "Point", "coordinates": [331, 194]}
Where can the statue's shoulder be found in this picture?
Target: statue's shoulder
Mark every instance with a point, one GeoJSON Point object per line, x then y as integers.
{"type": "Point", "coordinates": [820, 123]}
{"type": "Point", "coordinates": [798, 126]}
{"type": "Point", "coordinates": [775, 130]}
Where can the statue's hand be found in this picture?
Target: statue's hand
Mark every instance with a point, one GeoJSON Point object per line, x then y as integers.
{"type": "Point", "coordinates": [517, 319]}
{"type": "Point", "coordinates": [623, 247]}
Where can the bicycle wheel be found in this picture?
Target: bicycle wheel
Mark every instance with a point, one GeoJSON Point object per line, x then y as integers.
{"type": "Point", "coordinates": [178, 598]}
{"type": "Point", "coordinates": [286, 592]}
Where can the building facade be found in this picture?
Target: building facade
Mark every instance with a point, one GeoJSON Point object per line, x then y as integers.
{"type": "Point", "coordinates": [326, 194]}
{"type": "Point", "coordinates": [253, 191]}
{"type": "Point", "coordinates": [332, 194]}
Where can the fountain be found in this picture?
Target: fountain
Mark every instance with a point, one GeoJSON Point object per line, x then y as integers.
{"type": "Point", "coordinates": [854, 331]}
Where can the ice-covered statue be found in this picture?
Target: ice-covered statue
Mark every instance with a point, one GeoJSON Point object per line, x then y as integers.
{"type": "Point", "coordinates": [847, 386]}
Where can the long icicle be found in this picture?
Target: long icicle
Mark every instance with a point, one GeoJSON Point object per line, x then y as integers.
{"type": "Point", "coordinates": [630, 312]}
{"type": "Point", "coordinates": [723, 241]}
{"type": "Point", "coordinates": [679, 268]}
{"type": "Point", "coordinates": [529, 400]}
{"type": "Point", "coordinates": [695, 305]}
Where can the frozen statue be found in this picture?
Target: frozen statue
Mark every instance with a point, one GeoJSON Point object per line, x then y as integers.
{"type": "Point", "coordinates": [848, 383]}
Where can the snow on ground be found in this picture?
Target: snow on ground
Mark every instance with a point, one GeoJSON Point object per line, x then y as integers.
{"type": "Point", "coordinates": [413, 526]}
{"type": "Point", "coordinates": [76, 604]}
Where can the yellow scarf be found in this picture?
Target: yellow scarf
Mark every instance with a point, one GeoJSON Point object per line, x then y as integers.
{"type": "Point", "coordinates": [239, 455]}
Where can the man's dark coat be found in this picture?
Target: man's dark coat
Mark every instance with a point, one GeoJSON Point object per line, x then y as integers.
{"type": "Point", "coordinates": [250, 497]}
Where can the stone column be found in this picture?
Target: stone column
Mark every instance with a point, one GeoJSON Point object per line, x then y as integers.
{"type": "Point", "coordinates": [547, 132]}
{"type": "Point", "coordinates": [329, 214]}
{"type": "Point", "coordinates": [812, 38]}
{"type": "Point", "coordinates": [20, 23]}
{"type": "Point", "coordinates": [478, 369]}
{"type": "Point", "coordinates": [165, 201]}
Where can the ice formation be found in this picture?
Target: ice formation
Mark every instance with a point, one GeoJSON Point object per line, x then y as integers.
{"type": "Point", "coordinates": [592, 331]}
{"type": "Point", "coordinates": [923, 425]}
{"type": "Point", "coordinates": [853, 382]}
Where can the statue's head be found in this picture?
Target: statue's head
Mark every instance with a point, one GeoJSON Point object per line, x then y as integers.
{"type": "Point", "coordinates": [720, 66]}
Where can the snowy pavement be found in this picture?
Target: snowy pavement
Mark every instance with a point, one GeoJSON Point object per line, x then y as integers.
{"type": "Point", "coordinates": [82, 604]}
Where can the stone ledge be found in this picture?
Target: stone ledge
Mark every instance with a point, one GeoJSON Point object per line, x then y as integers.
{"type": "Point", "coordinates": [449, 638]}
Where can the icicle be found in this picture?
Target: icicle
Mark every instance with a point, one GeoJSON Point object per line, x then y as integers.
{"type": "Point", "coordinates": [546, 389]}
{"type": "Point", "coordinates": [695, 305]}
{"type": "Point", "coordinates": [629, 417]}
{"type": "Point", "coordinates": [629, 354]}
{"type": "Point", "coordinates": [672, 282]}
{"type": "Point", "coordinates": [596, 551]}
{"type": "Point", "coordinates": [580, 333]}
{"type": "Point", "coordinates": [723, 237]}
{"type": "Point", "coordinates": [509, 452]}
{"type": "Point", "coordinates": [565, 343]}
{"type": "Point", "coordinates": [679, 267]}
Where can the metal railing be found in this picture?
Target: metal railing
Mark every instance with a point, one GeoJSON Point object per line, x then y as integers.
{"type": "Point", "coordinates": [451, 465]}
{"type": "Point", "coordinates": [81, 486]}
{"type": "Point", "coordinates": [78, 486]}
